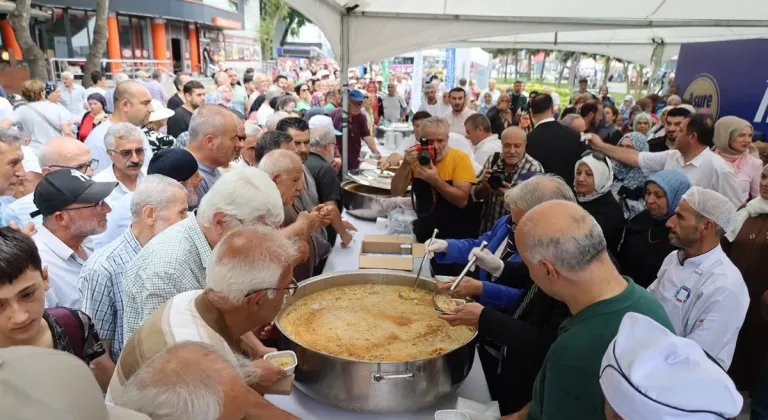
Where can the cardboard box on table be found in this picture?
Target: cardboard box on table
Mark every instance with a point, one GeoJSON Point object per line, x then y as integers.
{"type": "Point", "coordinates": [393, 252]}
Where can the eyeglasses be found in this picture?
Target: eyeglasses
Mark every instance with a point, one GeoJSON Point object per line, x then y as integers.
{"type": "Point", "coordinates": [83, 167]}
{"type": "Point", "coordinates": [127, 153]}
{"type": "Point", "coordinates": [291, 290]}
{"type": "Point", "coordinates": [100, 205]}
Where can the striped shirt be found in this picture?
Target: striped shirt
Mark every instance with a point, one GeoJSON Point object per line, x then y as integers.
{"type": "Point", "coordinates": [101, 288]}
{"type": "Point", "coordinates": [172, 262]}
{"type": "Point", "coordinates": [494, 207]}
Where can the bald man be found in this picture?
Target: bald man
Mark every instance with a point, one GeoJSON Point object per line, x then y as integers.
{"type": "Point", "coordinates": [565, 252]}
{"type": "Point", "coordinates": [132, 105]}
{"type": "Point", "coordinates": [57, 153]}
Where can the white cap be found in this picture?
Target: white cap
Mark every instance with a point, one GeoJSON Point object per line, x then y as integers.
{"type": "Point", "coordinates": [648, 373]}
{"type": "Point", "coordinates": [323, 73]}
{"type": "Point", "coordinates": [689, 107]}
{"type": "Point", "coordinates": [159, 111]}
{"type": "Point", "coordinates": [323, 120]}
{"type": "Point", "coordinates": [710, 204]}
{"type": "Point", "coordinates": [31, 162]}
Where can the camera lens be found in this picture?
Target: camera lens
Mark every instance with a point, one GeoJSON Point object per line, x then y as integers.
{"type": "Point", "coordinates": [424, 158]}
{"type": "Point", "coordinates": [495, 181]}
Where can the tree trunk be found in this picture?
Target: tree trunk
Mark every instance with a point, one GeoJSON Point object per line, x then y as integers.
{"type": "Point", "coordinates": [517, 56]}
{"type": "Point", "coordinates": [33, 55]}
{"type": "Point", "coordinates": [606, 70]}
{"type": "Point", "coordinates": [575, 61]}
{"type": "Point", "coordinates": [626, 76]}
{"type": "Point", "coordinates": [543, 64]}
{"type": "Point", "coordinates": [530, 66]}
{"type": "Point", "coordinates": [506, 67]}
{"type": "Point", "coordinates": [560, 72]}
{"type": "Point", "coordinates": [99, 42]}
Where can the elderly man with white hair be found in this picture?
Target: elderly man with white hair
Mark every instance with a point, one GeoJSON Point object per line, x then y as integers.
{"type": "Point", "coordinates": [249, 274]}
{"type": "Point", "coordinates": [176, 260]}
{"type": "Point", "coordinates": [272, 121]}
{"type": "Point", "coordinates": [125, 149]}
{"type": "Point", "coordinates": [248, 152]}
{"type": "Point", "coordinates": [265, 110]}
{"type": "Point", "coordinates": [701, 289]}
{"type": "Point", "coordinates": [158, 203]}
{"type": "Point", "coordinates": [73, 95]}
{"type": "Point", "coordinates": [193, 380]}
{"type": "Point", "coordinates": [219, 80]}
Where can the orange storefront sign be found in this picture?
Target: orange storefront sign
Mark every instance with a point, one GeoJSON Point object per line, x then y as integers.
{"type": "Point", "coordinates": [227, 23]}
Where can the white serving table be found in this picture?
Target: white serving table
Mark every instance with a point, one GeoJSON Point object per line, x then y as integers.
{"type": "Point", "coordinates": [303, 406]}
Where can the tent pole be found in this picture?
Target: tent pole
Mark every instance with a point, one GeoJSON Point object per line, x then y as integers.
{"type": "Point", "coordinates": [344, 93]}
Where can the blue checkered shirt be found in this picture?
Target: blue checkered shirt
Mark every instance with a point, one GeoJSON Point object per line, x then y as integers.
{"type": "Point", "coordinates": [101, 288]}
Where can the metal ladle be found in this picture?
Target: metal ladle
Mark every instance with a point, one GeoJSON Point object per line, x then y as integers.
{"type": "Point", "coordinates": [449, 293]}
{"type": "Point", "coordinates": [406, 295]}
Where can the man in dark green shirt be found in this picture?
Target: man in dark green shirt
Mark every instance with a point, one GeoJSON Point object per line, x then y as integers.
{"type": "Point", "coordinates": [565, 251]}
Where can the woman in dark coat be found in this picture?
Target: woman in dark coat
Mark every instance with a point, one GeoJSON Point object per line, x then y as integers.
{"type": "Point", "coordinates": [646, 237]}
{"type": "Point", "coordinates": [501, 116]}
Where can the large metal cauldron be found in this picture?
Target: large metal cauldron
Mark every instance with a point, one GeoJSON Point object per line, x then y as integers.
{"type": "Point", "coordinates": [363, 201]}
{"type": "Point", "coordinates": [371, 386]}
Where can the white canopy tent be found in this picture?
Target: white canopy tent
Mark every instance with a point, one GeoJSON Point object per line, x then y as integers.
{"type": "Point", "coordinates": [360, 31]}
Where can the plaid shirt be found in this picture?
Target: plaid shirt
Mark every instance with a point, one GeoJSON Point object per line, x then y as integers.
{"type": "Point", "coordinates": [494, 207]}
{"type": "Point", "coordinates": [101, 288]}
{"type": "Point", "coordinates": [172, 262]}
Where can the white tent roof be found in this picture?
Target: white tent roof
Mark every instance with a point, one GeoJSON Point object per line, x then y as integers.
{"type": "Point", "coordinates": [620, 28]}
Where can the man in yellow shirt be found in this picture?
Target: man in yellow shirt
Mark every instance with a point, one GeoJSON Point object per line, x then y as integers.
{"type": "Point", "coordinates": [441, 189]}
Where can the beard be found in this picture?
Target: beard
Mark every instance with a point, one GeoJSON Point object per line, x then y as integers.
{"type": "Point", "coordinates": [84, 227]}
{"type": "Point", "coordinates": [192, 198]}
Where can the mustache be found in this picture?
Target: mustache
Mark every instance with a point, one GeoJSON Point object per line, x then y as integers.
{"type": "Point", "coordinates": [134, 164]}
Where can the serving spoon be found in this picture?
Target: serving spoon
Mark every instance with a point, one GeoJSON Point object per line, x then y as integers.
{"type": "Point", "coordinates": [406, 295]}
{"type": "Point", "coordinates": [445, 296]}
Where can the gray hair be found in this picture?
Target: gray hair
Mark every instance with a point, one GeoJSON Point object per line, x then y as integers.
{"type": "Point", "coordinates": [271, 124]}
{"type": "Point", "coordinates": [120, 78]}
{"type": "Point", "coordinates": [279, 161]}
{"type": "Point", "coordinates": [10, 137]}
{"type": "Point", "coordinates": [162, 391]}
{"type": "Point", "coordinates": [67, 75]}
{"type": "Point", "coordinates": [434, 121]}
{"type": "Point", "coordinates": [221, 77]}
{"type": "Point", "coordinates": [123, 131]}
{"type": "Point", "coordinates": [571, 252]}
{"type": "Point", "coordinates": [284, 101]}
{"type": "Point", "coordinates": [252, 130]}
{"type": "Point", "coordinates": [244, 251]}
{"type": "Point", "coordinates": [156, 191]}
{"type": "Point", "coordinates": [207, 120]}
{"type": "Point", "coordinates": [537, 190]}
{"type": "Point", "coordinates": [321, 136]}
{"type": "Point", "coordinates": [272, 92]}
{"type": "Point", "coordinates": [569, 119]}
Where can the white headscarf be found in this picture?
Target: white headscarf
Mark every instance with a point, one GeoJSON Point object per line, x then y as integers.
{"type": "Point", "coordinates": [602, 171]}
{"type": "Point", "coordinates": [754, 208]}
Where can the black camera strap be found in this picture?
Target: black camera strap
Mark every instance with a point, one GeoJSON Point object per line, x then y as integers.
{"type": "Point", "coordinates": [495, 159]}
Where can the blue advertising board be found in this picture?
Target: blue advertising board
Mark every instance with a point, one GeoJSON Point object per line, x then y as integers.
{"type": "Point", "coordinates": [728, 78]}
{"type": "Point", "coordinates": [450, 68]}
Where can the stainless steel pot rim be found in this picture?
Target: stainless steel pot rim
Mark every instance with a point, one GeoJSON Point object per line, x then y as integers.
{"type": "Point", "coordinates": [325, 276]}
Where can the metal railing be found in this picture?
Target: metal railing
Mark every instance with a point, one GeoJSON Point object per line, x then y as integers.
{"type": "Point", "coordinates": [129, 67]}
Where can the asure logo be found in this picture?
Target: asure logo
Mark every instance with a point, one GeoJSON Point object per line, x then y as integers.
{"type": "Point", "coordinates": [703, 93]}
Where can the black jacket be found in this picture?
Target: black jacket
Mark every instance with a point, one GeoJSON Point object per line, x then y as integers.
{"type": "Point", "coordinates": [609, 215]}
{"type": "Point", "coordinates": [645, 245]}
{"type": "Point", "coordinates": [497, 123]}
{"type": "Point", "coordinates": [658, 144]}
{"type": "Point", "coordinates": [557, 148]}
{"type": "Point", "coordinates": [527, 338]}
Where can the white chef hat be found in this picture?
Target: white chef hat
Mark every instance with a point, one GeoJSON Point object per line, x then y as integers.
{"type": "Point", "coordinates": [648, 373]}
{"type": "Point", "coordinates": [710, 204]}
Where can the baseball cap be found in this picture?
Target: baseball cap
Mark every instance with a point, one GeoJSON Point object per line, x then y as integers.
{"type": "Point", "coordinates": [64, 187]}
{"type": "Point", "coordinates": [37, 384]}
{"type": "Point", "coordinates": [323, 120]}
{"type": "Point", "coordinates": [159, 111]}
{"type": "Point", "coordinates": [355, 95]}
{"type": "Point", "coordinates": [174, 163]}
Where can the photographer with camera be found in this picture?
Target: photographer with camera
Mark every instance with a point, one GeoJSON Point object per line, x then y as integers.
{"type": "Point", "coordinates": [440, 178]}
{"type": "Point", "coordinates": [501, 172]}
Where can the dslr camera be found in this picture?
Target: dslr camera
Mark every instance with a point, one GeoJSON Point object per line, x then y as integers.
{"type": "Point", "coordinates": [498, 178]}
{"type": "Point", "coordinates": [426, 152]}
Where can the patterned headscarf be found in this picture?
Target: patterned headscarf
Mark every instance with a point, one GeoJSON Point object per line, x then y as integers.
{"type": "Point", "coordinates": [626, 175]}
{"type": "Point", "coordinates": [50, 87]}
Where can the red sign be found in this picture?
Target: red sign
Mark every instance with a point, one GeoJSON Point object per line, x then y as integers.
{"type": "Point", "coordinates": [227, 23]}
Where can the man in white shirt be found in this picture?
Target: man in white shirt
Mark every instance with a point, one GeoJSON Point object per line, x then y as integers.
{"type": "Point", "coordinates": [123, 144]}
{"type": "Point", "coordinates": [73, 208]}
{"type": "Point", "coordinates": [133, 104]}
{"type": "Point", "coordinates": [701, 290]}
{"type": "Point", "coordinates": [495, 93]}
{"type": "Point", "coordinates": [478, 129]}
{"type": "Point", "coordinates": [459, 111]}
{"type": "Point", "coordinates": [73, 96]}
{"type": "Point", "coordinates": [692, 156]}
{"type": "Point", "coordinates": [265, 110]}
{"type": "Point", "coordinates": [431, 103]}
{"type": "Point", "coordinates": [455, 141]}
{"type": "Point", "coordinates": [58, 153]}
{"type": "Point", "coordinates": [394, 106]}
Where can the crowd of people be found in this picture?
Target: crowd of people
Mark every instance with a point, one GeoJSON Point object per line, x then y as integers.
{"type": "Point", "coordinates": [133, 223]}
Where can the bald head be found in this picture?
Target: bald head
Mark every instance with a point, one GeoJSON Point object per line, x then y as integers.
{"type": "Point", "coordinates": [209, 120]}
{"type": "Point", "coordinates": [513, 134]}
{"type": "Point", "coordinates": [132, 103]}
{"type": "Point", "coordinates": [561, 233]}
{"type": "Point", "coordinates": [279, 162]}
{"type": "Point", "coordinates": [61, 152]}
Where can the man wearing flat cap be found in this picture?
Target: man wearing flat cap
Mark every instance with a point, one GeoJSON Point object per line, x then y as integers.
{"type": "Point", "coordinates": [73, 208]}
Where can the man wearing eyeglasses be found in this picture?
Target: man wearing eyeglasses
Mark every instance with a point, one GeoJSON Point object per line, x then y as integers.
{"type": "Point", "coordinates": [125, 150]}
{"type": "Point", "coordinates": [73, 208]}
{"type": "Point", "coordinates": [56, 154]}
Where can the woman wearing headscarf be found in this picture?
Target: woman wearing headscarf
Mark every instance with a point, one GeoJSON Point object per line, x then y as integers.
{"type": "Point", "coordinates": [97, 103]}
{"type": "Point", "coordinates": [646, 237]}
{"type": "Point", "coordinates": [628, 182]}
{"type": "Point", "coordinates": [629, 100]}
{"type": "Point", "coordinates": [748, 249]}
{"type": "Point", "coordinates": [642, 124]}
{"type": "Point", "coordinates": [733, 138]}
{"type": "Point", "coordinates": [502, 115]}
{"type": "Point", "coordinates": [592, 182]}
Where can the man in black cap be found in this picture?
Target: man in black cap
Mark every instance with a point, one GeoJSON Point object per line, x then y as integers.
{"type": "Point", "coordinates": [73, 208]}
{"type": "Point", "coordinates": [180, 165]}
